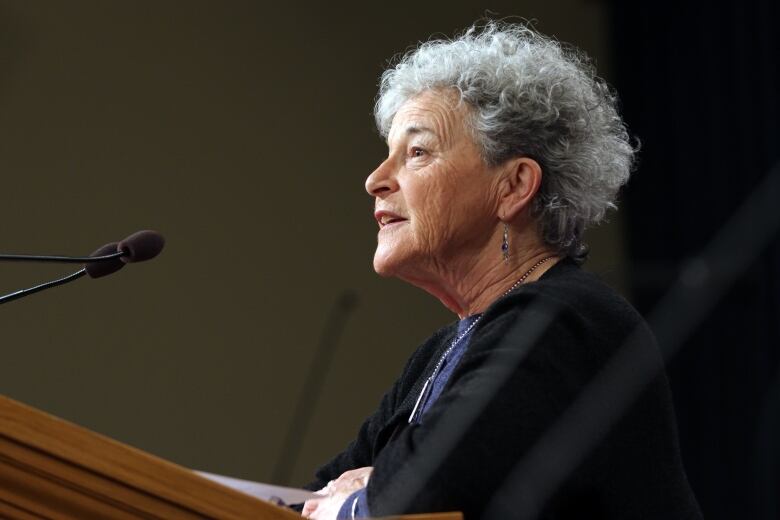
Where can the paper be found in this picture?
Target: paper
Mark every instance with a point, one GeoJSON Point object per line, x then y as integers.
{"type": "Point", "coordinates": [277, 494]}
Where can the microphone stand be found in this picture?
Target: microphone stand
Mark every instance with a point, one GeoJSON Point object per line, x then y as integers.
{"type": "Point", "coordinates": [312, 385]}
{"type": "Point", "coordinates": [32, 290]}
{"type": "Point", "coordinates": [60, 259]}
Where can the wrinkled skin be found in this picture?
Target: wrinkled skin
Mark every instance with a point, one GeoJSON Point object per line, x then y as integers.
{"type": "Point", "coordinates": [453, 205]}
{"type": "Point", "coordinates": [435, 177]}
{"type": "Point", "coordinates": [334, 494]}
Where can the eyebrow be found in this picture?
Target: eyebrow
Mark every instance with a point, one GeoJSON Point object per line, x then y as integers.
{"type": "Point", "coordinates": [414, 129]}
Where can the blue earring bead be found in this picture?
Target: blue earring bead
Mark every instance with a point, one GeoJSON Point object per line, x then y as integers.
{"type": "Point", "coordinates": [505, 243]}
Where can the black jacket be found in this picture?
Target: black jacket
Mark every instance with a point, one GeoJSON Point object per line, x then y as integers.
{"type": "Point", "coordinates": [508, 438]}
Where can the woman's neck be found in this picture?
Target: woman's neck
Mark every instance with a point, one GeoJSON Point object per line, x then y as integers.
{"type": "Point", "coordinates": [468, 288]}
{"type": "Point", "coordinates": [480, 293]}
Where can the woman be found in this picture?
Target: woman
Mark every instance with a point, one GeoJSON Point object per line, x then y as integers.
{"type": "Point", "coordinates": [503, 148]}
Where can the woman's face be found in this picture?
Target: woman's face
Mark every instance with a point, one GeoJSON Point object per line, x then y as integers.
{"type": "Point", "coordinates": [435, 198]}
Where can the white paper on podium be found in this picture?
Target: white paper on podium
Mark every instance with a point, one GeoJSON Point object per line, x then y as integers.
{"type": "Point", "coordinates": [267, 492]}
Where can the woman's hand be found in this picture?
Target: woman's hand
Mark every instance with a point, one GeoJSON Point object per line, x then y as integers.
{"type": "Point", "coordinates": [334, 494]}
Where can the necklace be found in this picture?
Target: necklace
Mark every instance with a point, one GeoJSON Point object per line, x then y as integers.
{"type": "Point", "coordinates": [429, 382]}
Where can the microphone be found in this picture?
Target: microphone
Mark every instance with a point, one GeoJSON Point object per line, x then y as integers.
{"type": "Point", "coordinates": [140, 246]}
{"type": "Point", "coordinates": [96, 269]}
{"type": "Point", "coordinates": [107, 259]}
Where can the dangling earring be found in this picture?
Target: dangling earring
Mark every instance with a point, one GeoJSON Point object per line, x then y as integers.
{"type": "Point", "coordinates": [505, 244]}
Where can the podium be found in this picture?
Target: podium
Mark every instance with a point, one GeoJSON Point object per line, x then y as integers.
{"type": "Point", "coordinates": [53, 469]}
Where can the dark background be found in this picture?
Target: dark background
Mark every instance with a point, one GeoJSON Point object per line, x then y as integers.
{"type": "Point", "coordinates": [243, 132]}
{"type": "Point", "coordinates": [700, 83]}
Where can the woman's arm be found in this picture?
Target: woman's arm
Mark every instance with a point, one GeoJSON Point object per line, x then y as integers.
{"type": "Point", "coordinates": [369, 441]}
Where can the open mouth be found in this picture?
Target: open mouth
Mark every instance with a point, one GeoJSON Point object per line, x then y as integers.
{"type": "Point", "coordinates": [392, 221]}
{"type": "Point", "coordinates": [386, 219]}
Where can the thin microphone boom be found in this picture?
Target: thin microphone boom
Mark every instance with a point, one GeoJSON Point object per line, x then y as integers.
{"type": "Point", "coordinates": [61, 259]}
{"type": "Point", "coordinates": [312, 386]}
{"type": "Point", "coordinates": [32, 290]}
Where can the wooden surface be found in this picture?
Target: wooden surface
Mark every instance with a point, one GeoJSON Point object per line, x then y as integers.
{"type": "Point", "coordinates": [53, 469]}
{"type": "Point", "coordinates": [50, 468]}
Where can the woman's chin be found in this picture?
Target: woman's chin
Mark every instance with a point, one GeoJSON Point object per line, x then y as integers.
{"type": "Point", "coordinates": [383, 266]}
{"type": "Point", "coordinates": [387, 261]}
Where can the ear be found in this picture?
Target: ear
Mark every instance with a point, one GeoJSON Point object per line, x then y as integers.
{"type": "Point", "coordinates": [521, 179]}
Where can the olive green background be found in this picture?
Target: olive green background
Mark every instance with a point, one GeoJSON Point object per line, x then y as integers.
{"type": "Point", "coordinates": [243, 132]}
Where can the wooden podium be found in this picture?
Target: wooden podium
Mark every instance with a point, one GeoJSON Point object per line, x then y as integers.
{"type": "Point", "coordinates": [53, 469]}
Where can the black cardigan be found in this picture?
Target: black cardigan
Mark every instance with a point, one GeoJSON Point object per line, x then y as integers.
{"type": "Point", "coordinates": [531, 355]}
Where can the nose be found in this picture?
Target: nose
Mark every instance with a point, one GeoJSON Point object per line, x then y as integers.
{"type": "Point", "coordinates": [382, 181]}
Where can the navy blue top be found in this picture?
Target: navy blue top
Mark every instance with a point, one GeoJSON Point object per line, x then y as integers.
{"type": "Point", "coordinates": [448, 365]}
{"type": "Point", "coordinates": [356, 505]}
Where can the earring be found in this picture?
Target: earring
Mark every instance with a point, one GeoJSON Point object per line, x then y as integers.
{"type": "Point", "coordinates": [505, 243]}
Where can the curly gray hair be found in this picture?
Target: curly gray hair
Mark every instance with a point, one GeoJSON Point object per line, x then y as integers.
{"type": "Point", "coordinates": [530, 96]}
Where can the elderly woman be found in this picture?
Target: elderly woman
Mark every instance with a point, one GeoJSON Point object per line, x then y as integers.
{"type": "Point", "coordinates": [503, 148]}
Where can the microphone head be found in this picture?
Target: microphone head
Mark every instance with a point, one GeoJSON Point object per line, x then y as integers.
{"type": "Point", "coordinates": [98, 269]}
{"type": "Point", "coordinates": [140, 246]}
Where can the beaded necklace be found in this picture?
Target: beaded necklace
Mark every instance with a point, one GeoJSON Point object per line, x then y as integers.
{"type": "Point", "coordinates": [429, 382]}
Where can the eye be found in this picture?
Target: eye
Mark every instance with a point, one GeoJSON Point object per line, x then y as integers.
{"type": "Point", "coordinates": [416, 151]}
